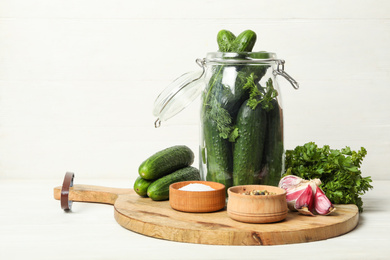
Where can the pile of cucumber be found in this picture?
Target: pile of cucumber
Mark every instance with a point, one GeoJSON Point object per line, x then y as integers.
{"type": "Point", "coordinates": [242, 123]}
{"type": "Point", "coordinates": [163, 168]}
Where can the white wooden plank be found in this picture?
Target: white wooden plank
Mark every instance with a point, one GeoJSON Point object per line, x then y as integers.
{"type": "Point", "coordinates": [77, 84]}
{"type": "Point", "coordinates": [122, 50]}
{"type": "Point", "coordinates": [201, 9]}
{"type": "Point", "coordinates": [94, 152]}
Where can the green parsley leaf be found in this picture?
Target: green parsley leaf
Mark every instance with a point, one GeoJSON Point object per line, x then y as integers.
{"type": "Point", "coordinates": [254, 92]}
{"type": "Point", "coordinates": [234, 135]}
{"type": "Point", "coordinates": [260, 95]}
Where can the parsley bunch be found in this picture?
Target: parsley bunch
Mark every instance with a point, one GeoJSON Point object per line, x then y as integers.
{"type": "Point", "coordinates": [338, 171]}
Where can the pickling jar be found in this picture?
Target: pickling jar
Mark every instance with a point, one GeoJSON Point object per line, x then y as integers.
{"type": "Point", "coordinates": [241, 115]}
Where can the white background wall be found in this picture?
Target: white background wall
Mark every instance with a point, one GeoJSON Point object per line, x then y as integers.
{"type": "Point", "coordinates": [78, 78]}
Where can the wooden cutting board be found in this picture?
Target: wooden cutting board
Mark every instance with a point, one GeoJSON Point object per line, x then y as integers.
{"type": "Point", "coordinates": [157, 219]}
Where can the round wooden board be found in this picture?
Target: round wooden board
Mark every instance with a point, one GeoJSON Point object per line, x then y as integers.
{"type": "Point", "coordinates": [158, 219]}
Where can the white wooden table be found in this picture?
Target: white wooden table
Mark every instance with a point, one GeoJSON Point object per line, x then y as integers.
{"type": "Point", "coordinates": [33, 226]}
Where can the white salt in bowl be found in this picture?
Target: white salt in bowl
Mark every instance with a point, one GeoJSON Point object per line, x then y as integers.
{"type": "Point", "coordinates": [197, 196]}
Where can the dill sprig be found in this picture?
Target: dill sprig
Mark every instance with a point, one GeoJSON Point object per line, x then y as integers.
{"type": "Point", "coordinates": [221, 117]}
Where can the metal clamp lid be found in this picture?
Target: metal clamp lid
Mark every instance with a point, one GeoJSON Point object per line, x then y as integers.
{"type": "Point", "coordinates": [280, 71]}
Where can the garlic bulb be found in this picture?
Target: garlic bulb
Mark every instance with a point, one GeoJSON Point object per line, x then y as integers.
{"type": "Point", "coordinates": [305, 196]}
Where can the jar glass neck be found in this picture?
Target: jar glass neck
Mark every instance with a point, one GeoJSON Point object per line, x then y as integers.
{"type": "Point", "coordinates": [221, 58]}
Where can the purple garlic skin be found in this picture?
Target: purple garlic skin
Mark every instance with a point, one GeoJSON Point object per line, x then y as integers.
{"type": "Point", "coordinates": [305, 196]}
{"type": "Point", "coordinates": [322, 204]}
{"type": "Point", "coordinates": [290, 181]}
{"type": "Point", "coordinates": [301, 199]}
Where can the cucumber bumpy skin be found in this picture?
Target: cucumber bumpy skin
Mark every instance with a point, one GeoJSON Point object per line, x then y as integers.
{"type": "Point", "coordinates": [248, 148]}
{"type": "Point", "coordinates": [218, 155]}
{"type": "Point", "coordinates": [165, 162]}
{"type": "Point", "coordinates": [225, 40]}
{"type": "Point", "coordinates": [159, 189]}
{"type": "Point", "coordinates": [228, 42]}
{"type": "Point", "coordinates": [244, 41]}
{"type": "Point", "coordinates": [274, 149]}
{"type": "Point", "coordinates": [141, 186]}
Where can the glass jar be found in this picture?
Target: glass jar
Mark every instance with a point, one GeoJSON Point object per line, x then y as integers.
{"type": "Point", "coordinates": [241, 116]}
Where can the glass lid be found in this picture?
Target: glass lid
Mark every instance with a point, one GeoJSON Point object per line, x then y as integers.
{"type": "Point", "coordinates": [178, 95]}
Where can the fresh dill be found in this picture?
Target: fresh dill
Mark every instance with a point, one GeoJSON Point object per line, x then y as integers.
{"type": "Point", "coordinates": [221, 117]}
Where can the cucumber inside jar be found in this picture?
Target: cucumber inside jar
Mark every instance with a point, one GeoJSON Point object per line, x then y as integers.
{"type": "Point", "coordinates": [240, 145]}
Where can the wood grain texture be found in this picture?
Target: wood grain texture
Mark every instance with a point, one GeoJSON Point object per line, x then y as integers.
{"type": "Point", "coordinates": [159, 220]}
{"type": "Point", "coordinates": [205, 201]}
{"type": "Point", "coordinates": [257, 209]}
{"type": "Point", "coordinates": [90, 193]}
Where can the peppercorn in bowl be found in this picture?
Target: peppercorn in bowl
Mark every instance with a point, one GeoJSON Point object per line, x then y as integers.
{"type": "Point", "coordinates": [257, 203]}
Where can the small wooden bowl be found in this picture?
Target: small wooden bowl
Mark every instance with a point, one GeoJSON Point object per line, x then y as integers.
{"type": "Point", "coordinates": [197, 201]}
{"type": "Point", "coordinates": [257, 208]}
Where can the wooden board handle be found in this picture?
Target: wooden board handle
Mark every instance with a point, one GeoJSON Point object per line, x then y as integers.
{"type": "Point", "coordinates": [90, 193]}
{"type": "Point", "coordinates": [68, 193]}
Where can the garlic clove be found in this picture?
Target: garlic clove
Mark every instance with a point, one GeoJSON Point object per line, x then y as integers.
{"type": "Point", "coordinates": [300, 198]}
{"type": "Point", "coordinates": [322, 204]}
{"type": "Point", "coordinates": [290, 181]}
{"type": "Point", "coordinates": [305, 202]}
{"type": "Point", "coordinates": [292, 195]}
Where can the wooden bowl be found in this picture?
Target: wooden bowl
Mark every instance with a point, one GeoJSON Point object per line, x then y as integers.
{"type": "Point", "coordinates": [197, 201]}
{"type": "Point", "coordinates": [257, 208]}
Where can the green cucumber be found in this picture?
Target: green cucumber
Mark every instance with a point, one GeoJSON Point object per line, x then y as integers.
{"type": "Point", "coordinates": [165, 162]}
{"type": "Point", "coordinates": [141, 186]}
{"type": "Point", "coordinates": [159, 189]}
{"type": "Point", "coordinates": [228, 42]}
{"type": "Point", "coordinates": [218, 155]}
{"type": "Point", "coordinates": [233, 94]}
{"type": "Point", "coordinates": [216, 126]}
{"type": "Point", "coordinates": [244, 41]}
{"type": "Point", "coordinates": [248, 148]}
{"type": "Point", "coordinates": [273, 150]}
{"type": "Point", "coordinates": [227, 93]}
{"type": "Point", "coordinates": [225, 39]}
